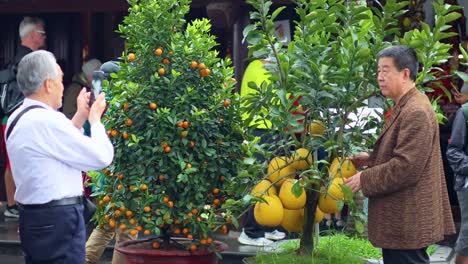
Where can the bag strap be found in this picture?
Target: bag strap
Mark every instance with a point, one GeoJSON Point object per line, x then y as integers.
{"type": "Point", "coordinates": [13, 123]}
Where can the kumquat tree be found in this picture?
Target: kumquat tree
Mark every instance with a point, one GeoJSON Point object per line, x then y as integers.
{"type": "Point", "coordinates": [327, 74]}
{"type": "Point", "coordinates": [176, 128]}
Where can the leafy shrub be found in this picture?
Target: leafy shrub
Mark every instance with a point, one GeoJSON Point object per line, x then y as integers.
{"type": "Point", "coordinates": [176, 128]}
{"type": "Point", "coordinates": [330, 65]}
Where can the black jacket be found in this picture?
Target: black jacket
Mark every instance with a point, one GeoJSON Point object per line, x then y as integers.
{"type": "Point", "coordinates": [457, 150]}
{"type": "Point", "coordinates": [20, 53]}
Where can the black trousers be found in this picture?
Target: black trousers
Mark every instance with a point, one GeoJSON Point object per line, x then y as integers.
{"type": "Point", "coordinates": [252, 228]}
{"type": "Point", "coordinates": [405, 256]}
{"type": "Point", "coordinates": [53, 235]}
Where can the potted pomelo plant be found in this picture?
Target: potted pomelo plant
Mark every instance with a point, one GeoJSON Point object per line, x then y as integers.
{"type": "Point", "coordinates": [176, 128]}
{"type": "Point", "coordinates": [326, 74]}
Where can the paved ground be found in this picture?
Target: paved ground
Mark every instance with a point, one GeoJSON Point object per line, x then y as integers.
{"type": "Point", "coordinates": [6, 259]}
{"type": "Point", "coordinates": [10, 252]}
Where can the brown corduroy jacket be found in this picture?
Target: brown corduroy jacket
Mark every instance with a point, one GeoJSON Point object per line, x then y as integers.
{"type": "Point", "coordinates": [405, 182]}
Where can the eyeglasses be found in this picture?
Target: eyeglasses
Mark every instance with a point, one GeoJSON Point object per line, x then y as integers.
{"type": "Point", "coordinates": [42, 32]}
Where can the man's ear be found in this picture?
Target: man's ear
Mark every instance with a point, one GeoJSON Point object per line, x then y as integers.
{"type": "Point", "coordinates": [48, 85]}
{"type": "Point", "coordinates": [407, 73]}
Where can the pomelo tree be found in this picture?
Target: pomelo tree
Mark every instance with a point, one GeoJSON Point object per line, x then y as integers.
{"type": "Point", "coordinates": [176, 128]}
{"type": "Point", "coordinates": [319, 85]}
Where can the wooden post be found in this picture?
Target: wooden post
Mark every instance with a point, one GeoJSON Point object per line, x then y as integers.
{"type": "Point", "coordinates": [87, 45]}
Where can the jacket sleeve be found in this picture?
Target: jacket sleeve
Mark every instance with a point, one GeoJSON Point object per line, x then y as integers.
{"type": "Point", "coordinates": [456, 156]}
{"type": "Point", "coordinates": [409, 155]}
{"type": "Point", "coordinates": [69, 100]}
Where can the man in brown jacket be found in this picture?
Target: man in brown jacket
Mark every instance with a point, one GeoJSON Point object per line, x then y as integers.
{"type": "Point", "coordinates": [408, 202]}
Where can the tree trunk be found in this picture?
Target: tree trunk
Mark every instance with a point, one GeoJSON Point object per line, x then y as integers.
{"type": "Point", "coordinates": [307, 240]}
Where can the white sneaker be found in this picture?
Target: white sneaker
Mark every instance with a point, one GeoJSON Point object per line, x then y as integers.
{"type": "Point", "coordinates": [11, 211]}
{"type": "Point", "coordinates": [275, 235]}
{"type": "Point", "coordinates": [259, 242]}
{"type": "Point", "coordinates": [340, 223]}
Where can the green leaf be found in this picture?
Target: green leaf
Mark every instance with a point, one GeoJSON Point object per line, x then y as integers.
{"type": "Point", "coordinates": [249, 161]}
{"type": "Point", "coordinates": [340, 205]}
{"type": "Point", "coordinates": [277, 12]}
{"type": "Point", "coordinates": [247, 31]}
{"type": "Point", "coordinates": [297, 189]}
{"type": "Point", "coordinates": [182, 178]}
{"type": "Point", "coordinates": [235, 222]}
{"type": "Point", "coordinates": [452, 17]}
{"type": "Point", "coordinates": [359, 226]}
{"type": "Point", "coordinates": [246, 199]}
{"type": "Point", "coordinates": [254, 38]}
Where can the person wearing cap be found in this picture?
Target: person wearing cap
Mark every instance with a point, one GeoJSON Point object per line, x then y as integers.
{"type": "Point", "coordinates": [457, 157]}
{"type": "Point", "coordinates": [79, 80]}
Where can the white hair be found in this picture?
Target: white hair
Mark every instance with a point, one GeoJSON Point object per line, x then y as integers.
{"type": "Point", "coordinates": [34, 69]}
{"type": "Point", "coordinates": [90, 66]}
{"type": "Point", "coordinates": [28, 25]}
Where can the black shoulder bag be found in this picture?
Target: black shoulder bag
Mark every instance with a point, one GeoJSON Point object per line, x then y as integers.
{"type": "Point", "coordinates": [89, 207]}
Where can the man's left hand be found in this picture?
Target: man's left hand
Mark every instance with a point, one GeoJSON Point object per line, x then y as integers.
{"type": "Point", "coordinates": [354, 182]}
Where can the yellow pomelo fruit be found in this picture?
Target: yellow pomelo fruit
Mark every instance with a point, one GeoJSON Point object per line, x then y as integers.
{"type": "Point", "coordinates": [327, 204]}
{"type": "Point", "coordinates": [260, 188]}
{"type": "Point", "coordinates": [316, 128]}
{"type": "Point", "coordinates": [269, 213]}
{"type": "Point", "coordinates": [280, 169]}
{"type": "Point", "coordinates": [289, 200]}
{"type": "Point", "coordinates": [318, 215]}
{"type": "Point", "coordinates": [293, 220]}
{"type": "Point", "coordinates": [335, 190]}
{"type": "Point", "coordinates": [302, 159]}
{"type": "Point", "coordinates": [346, 170]}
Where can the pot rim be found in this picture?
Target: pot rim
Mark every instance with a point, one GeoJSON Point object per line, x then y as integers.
{"type": "Point", "coordinates": [122, 247]}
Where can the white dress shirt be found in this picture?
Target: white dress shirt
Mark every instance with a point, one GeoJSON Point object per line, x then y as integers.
{"type": "Point", "coordinates": [47, 154]}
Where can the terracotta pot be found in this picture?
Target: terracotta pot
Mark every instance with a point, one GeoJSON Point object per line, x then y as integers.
{"type": "Point", "coordinates": [140, 251]}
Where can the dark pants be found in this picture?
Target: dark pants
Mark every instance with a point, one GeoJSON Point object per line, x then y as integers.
{"type": "Point", "coordinates": [409, 256]}
{"type": "Point", "coordinates": [53, 235]}
{"type": "Point", "coordinates": [252, 228]}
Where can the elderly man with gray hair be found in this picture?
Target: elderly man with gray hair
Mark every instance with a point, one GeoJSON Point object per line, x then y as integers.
{"type": "Point", "coordinates": [48, 152]}
{"type": "Point", "coordinates": [33, 36]}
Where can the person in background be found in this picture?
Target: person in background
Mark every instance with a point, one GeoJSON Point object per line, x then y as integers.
{"type": "Point", "coordinates": [462, 96]}
{"type": "Point", "coordinates": [253, 233]}
{"type": "Point", "coordinates": [334, 221]}
{"type": "Point", "coordinates": [405, 176]}
{"type": "Point", "coordinates": [79, 80]}
{"type": "Point", "coordinates": [33, 36]}
{"type": "Point", "coordinates": [457, 156]}
{"type": "Point", "coordinates": [100, 238]}
{"type": "Point", "coordinates": [47, 153]}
